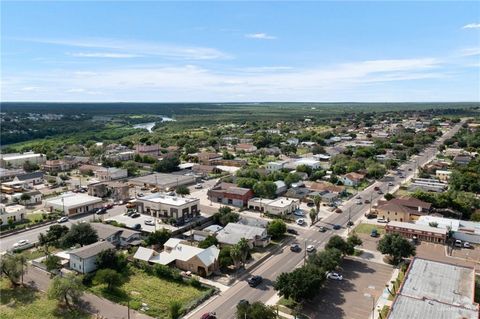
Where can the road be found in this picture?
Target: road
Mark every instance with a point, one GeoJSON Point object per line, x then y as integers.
{"type": "Point", "coordinates": [224, 305]}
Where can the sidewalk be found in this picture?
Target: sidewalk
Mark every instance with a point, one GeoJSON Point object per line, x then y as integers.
{"type": "Point", "coordinates": [39, 279]}
{"type": "Point", "coordinates": [383, 300]}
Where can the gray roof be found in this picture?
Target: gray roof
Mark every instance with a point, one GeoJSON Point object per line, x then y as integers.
{"type": "Point", "coordinates": [105, 231]}
{"type": "Point", "coordinates": [27, 176]}
{"type": "Point", "coordinates": [233, 232]}
{"type": "Point", "coordinates": [91, 250]}
{"type": "Point", "coordinates": [408, 308]}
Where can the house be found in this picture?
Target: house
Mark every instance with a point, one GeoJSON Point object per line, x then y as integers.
{"type": "Point", "coordinates": [247, 148]}
{"type": "Point", "coordinates": [205, 157]}
{"type": "Point", "coordinates": [230, 194]}
{"type": "Point", "coordinates": [310, 162]}
{"type": "Point", "coordinates": [120, 237]}
{"type": "Point", "coordinates": [15, 160]}
{"type": "Point", "coordinates": [443, 175]}
{"type": "Point", "coordinates": [165, 206]}
{"type": "Point", "coordinates": [73, 203]}
{"type": "Point", "coordinates": [15, 213]}
{"type": "Point", "coordinates": [462, 159]}
{"type": "Point", "coordinates": [87, 169]}
{"type": "Point", "coordinates": [55, 166]}
{"type": "Point", "coordinates": [233, 232]}
{"type": "Point", "coordinates": [203, 262]}
{"type": "Point", "coordinates": [433, 289]}
{"type": "Point", "coordinates": [278, 206]}
{"type": "Point", "coordinates": [84, 259]}
{"type": "Point", "coordinates": [163, 181]}
{"type": "Point", "coordinates": [35, 197]}
{"type": "Point", "coordinates": [110, 173]}
{"type": "Point", "coordinates": [30, 179]}
{"type": "Point", "coordinates": [298, 192]}
{"type": "Point", "coordinates": [150, 150]}
{"type": "Point", "coordinates": [117, 191]}
{"type": "Point", "coordinates": [404, 209]}
{"type": "Point", "coordinates": [205, 170]}
{"type": "Point", "coordinates": [275, 166]}
{"type": "Point", "coordinates": [7, 175]}
{"type": "Point", "coordinates": [281, 187]}
{"type": "Point", "coordinates": [324, 187]}
{"type": "Point", "coordinates": [419, 231]}
{"type": "Point", "coordinates": [121, 156]}
{"type": "Point", "coordinates": [352, 179]}
{"type": "Point", "coordinates": [228, 162]}
{"type": "Point", "coordinates": [199, 235]}
{"type": "Point", "coordinates": [427, 185]}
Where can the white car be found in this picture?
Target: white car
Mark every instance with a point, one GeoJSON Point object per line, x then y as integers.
{"type": "Point", "coordinates": [198, 186]}
{"type": "Point", "coordinates": [466, 244]}
{"type": "Point", "coordinates": [310, 248]}
{"type": "Point", "coordinates": [149, 222]}
{"type": "Point", "coordinates": [382, 220]}
{"type": "Point", "coordinates": [334, 276]}
{"type": "Point", "coordinates": [300, 221]}
{"type": "Point", "coordinates": [62, 219]}
{"type": "Point", "coordinates": [299, 212]}
{"type": "Point", "coordinates": [21, 243]}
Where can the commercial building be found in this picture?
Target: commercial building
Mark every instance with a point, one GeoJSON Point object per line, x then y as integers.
{"type": "Point", "coordinates": [234, 232]}
{"type": "Point", "coordinates": [278, 206]}
{"type": "Point", "coordinates": [18, 159]}
{"type": "Point", "coordinates": [84, 259]}
{"type": "Point", "coordinates": [230, 194]}
{"type": "Point", "coordinates": [165, 206]}
{"type": "Point", "coordinates": [110, 173]}
{"type": "Point", "coordinates": [417, 231]}
{"type": "Point", "coordinates": [437, 290]}
{"type": "Point", "coordinates": [427, 185]}
{"type": "Point", "coordinates": [117, 191]}
{"type": "Point", "coordinates": [55, 166]}
{"type": "Point", "coordinates": [463, 230]}
{"type": "Point", "coordinates": [404, 209]}
{"type": "Point", "coordinates": [15, 213]}
{"type": "Point", "coordinates": [73, 203]}
{"type": "Point", "coordinates": [163, 181]}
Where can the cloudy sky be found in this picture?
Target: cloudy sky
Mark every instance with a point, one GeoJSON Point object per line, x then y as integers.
{"type": "Point", "coordinates": [240, 51]}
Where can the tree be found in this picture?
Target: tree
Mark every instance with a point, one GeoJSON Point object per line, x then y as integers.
{"type": "Point", "coordinates": [339, 243]}
{"type": "Point", "coordinates": [354, 240]}
{"type": "Point", "coordinates": [158, 238]}
{"type": "Point", "coordinates": [25, 197]}
{"type": "Point", "coordinates": [396, 247]}
{"type": "Point", "coordinates": [256, 310]}
{"type": "Point", "coordinates": [244, 250]}
{"type": "Point", "coordinates": [81, 234]}
{"type": "Point", "coordinates": [475, 217]}
{"type": "Point", "coordinates": [327, 259]}
{"type": "Point", "coordinates": [236, 255]}
{"type": "Point", "coordinates": [175, 309]}
{"type": "Point", "coordinates": [317, 200]}
{"type": "Point", "coordinates": [301, 284]}
{"type": "Point", "coordinates": [52, 236]}
{"type": "Point", "coordinates": [276, 228]}
{"type": "Point", "coordinates": [11, 266]}
{"type": "Point", "coordinates": [109, 258]}
{"type": "Point", "coordinates": [67, 289]}
{"type": "Point", "coordinates": [167, 165]}
{"type": "Point", "coordinates": [207, 242]}
{"type": "Point", "coordinates": [389, 196]}
{"type": "Point", "coordinates": [109, 277]}
{"type": "Point", "coordinates": [225, 215]}
{"type": "Point", "coordinates": [182, 190]}
{"type": "Point", "coordinates": [224, 257]}
{"type": "Point", "coordinates": [53, 263]}
{"type": "Point", "coordinates": [265, 189]}
{"type": "Point", "coordinates": [313, 215]}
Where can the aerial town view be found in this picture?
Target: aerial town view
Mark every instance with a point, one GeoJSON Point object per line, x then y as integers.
{"type": "Point", "coordinates": [240, 160]}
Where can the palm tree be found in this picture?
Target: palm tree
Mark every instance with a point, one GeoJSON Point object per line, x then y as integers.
{"type": "Point", "coordinates": [244, 249]}
{"type": "Point", "coordinates": [236, 255]}
{"type": "Point", "coordinates": [317, 200]}
{"type": "Point", "coordinates": [313, 215]}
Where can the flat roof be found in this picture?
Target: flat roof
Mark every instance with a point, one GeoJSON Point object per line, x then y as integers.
{"type": "Point", "coordinates": [163, 180]}
{"type": "Point", "coordinates": [73, 200]}
{"type": "Point", "coordinates": [168, 200]}
{"type": "Point", "coordinates": [9, 157]}
{"type": "Point", "coordinates": [418, 227]}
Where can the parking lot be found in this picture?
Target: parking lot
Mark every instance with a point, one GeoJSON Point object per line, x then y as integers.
{"type": "Point", "coordinates": [353, 297]}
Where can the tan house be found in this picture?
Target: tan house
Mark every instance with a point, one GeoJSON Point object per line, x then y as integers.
{"type": "Point", "coordinates": [199, 261]}
{"type": "Point", "coordinates": [405, 209]}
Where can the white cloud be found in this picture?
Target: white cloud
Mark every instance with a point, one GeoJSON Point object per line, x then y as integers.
{"type": "Point", "coordinates": [111, 55]}
{"type": "Point", "coordinates": [471, 26]}
{"type": "Point", "coordinates": [134, 47]}
{"type": "Point", "coordinates": [470, 52]}
{"type": "Point", "coordinates": [261, 36]}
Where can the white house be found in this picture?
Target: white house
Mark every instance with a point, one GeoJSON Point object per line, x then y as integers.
{"type": "Point", "coordinates": [443, 175]}
{"type": "Point", "coordinates": [18, 159]}
{"type": "Point", "coordinates": [110, 173]}
{"type": "Point", "coordinates": [311, 162]}
{"type": "Point", "coordinates": [161, 205]}
{"type": "Point", "coordinates": [275, 166]}
{"type": "Point", "coordinates": [234, 232]}
{"type": "Point", "coordinates": [84, 259]}
{"type": "Point", "coordinates": [281, 187]}
{"type": "Point", "coordinates": [13, 212]}
{"type": "Point", "coordinates": [278, 206]}
{"type": "Point", "coordinates": [73, 203]}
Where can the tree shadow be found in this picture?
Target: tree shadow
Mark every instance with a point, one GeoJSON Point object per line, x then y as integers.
{"type": "Point", "coordinates": [17, 296]}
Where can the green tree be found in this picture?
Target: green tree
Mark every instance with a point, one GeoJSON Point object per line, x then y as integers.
{"type": "Point", "coordinates": [265, 189]}
{"type": "Point", "coordinates": [11, 266]}
{"type": "Point", "coordinates": [389, 196]}
{"type": "Point", "coordinates": [246, 182]}
{"type": "Point", "coordinates": [167, 165]}
{"type": "Point", "coordinates": [158, 238]}
{"type": "Point", "coordinates": [354, 240]}
{"type": "Point", "coordinates": [244, 249]}
{"type": "Point", "coordinates": [225, 215]}
{"type": "Point", "coordinates": [256, 310]}
{"type": "Point", "coordinates": [301, 284]}
{"type": "Point", "coordinates": [109, 277]}
{"type": "Point", "coordinates": [327, 259]}
{"type": "Point", "coordinates": [25, 197]}
{"type": "Point", "coordinates": [236, 255]}
{"type": "Point", "coordinates": [207, 242]}
{"type": "Point", "coordinates": [53, 262]}
{"type": "Point", "coordinates": [313, 215]}
{"type": "Point", "coordinates": [396, 247]}
{"type": "Point", "coordinates": [475, 217]}
{"type": "Point", "coordinates": [182, 190]}
{"type": "Point", "coordinates": [175, 309]}
{"type": "Point", "coordinates": [276, 228]}
{"type": "Point", "coordinates": [109, 258]}
{"type": "Point", "coordinates": [339, 243]}
{"type": "Point", "coordinates": [67, 289]}
{"type": "Point", "coordinates": [224, 257]}
{"type": "Point", "coordinates": [317, 201]}
{"type": "Point", "coordinates": [81, 234]}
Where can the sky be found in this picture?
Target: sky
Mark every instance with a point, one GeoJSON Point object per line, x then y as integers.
{"type": "Point", "coordinates": [246, 51]}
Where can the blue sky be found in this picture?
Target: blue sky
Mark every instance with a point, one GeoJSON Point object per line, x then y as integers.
{"type": "Point", "coordinates": [240, 51]}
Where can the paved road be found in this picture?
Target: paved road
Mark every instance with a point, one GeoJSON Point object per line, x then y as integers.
{"type": "Point", "coordinates": [283, 261]}
{"type": "Point", "coordinates": [32, 235]}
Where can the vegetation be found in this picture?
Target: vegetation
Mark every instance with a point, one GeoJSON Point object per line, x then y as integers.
{"type": "Point", "coordinates": [207, 242]}
{"type": "Point", "coordinates": [276, 228]}
{"type": "Point", "coordinates": [109, 277]}
{"type": "Point", "coordinates": [12, 267]}
{"type": "Point", "coordinates": [256, 310]}
{"type": "Point", "coordinates": [66, 289]}
{"type": "Point", "coordinates": [396, 247]}
{"type": "Point", "coordinates": [225, 215]}
{"type": "Point", "coordinates": [80, 234]}
{"type": "Point", "coordinates": [158, 238]}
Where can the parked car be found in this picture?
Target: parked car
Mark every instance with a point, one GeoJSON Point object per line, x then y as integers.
{"type": "Point", "coordinates": [367, 201]}
{"type": "Point", "coordinates": [376, 188]}
{"type": "Point", "coordinates": [380, 192]}
{"type": "Point", "coordinates": [108, 206]}
{"type": "Point", "coordinates": [135, 215]}
{"type": "Point", "coordinates": [337, 227]}
{"type": "Point", "coordinates": [458, 243]}
{"type": "Point", "coordinates": [299, 212]}
{"type": "Point", "coordinates": [292, 231]}
{"type": "Point", "coordinates": [198, 186]}
{"type": "Point", "coordinates": [382, 220]}
{"type": "Point", "coordinates": [254, 281]}
{"type": "Point", "coordinates": [300, 221]}
{"type": "Point", "coordinates": [310, 204]}
{"type": "Point", "coordinates": [374, 233]}
{"type": "Point", "coordinates": [149, 222]}
{"type": "Point", "coordinates": [466, 244]}
{"type": "Point", "coordinates": [140, 194]}
{"type": "Point", "coordinates": [101, 211]}
{"type": "Point", "coordinates": [390, 184]}
{"type": "Point", "coordinates": [209, 315]}
{"type": "Point", "coordinates": [131, 205]}
{"type": "Point", "coordinates": [359, 202]}
{"type": "Point", "coordinates": [62, 219]}
{"type": "Point", "coordinates": [20, 243]}
{"type": "Point", "coordinates": [310, 248]}
{"type": "Point", "coordinates": [295, 248]}
{"type": "Point", "coordinates": [243, 302]}
{"type": "Point", "coordinates": [338, 211]}
{"type": "Point", "coordinates": [349, 223]}
{"type": "Point", "coordinates": [334, 276]}
{"type": "Point", "coordinates": [137, 226]}
{"type": "Point", "coordinates": [358, 197]}
{"type": "Point", "coordinates": [322, 229]}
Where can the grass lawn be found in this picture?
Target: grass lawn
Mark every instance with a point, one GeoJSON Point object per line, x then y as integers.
{"type": "Point", "coordinates": [367, 229]}
{"type": "Point", "coordinates": [157, 293]}
{"type": "Point", "coordinates": [27, 303]}
{"type": "Point", "coordinates": [384, 312]}
{"type": "Point", "coordinates": [35, 253]}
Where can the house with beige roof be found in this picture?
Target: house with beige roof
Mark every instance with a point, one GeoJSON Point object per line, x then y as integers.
{"type": "Point", "coordinates": [404, 209]}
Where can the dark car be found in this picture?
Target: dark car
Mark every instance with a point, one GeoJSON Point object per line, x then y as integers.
{"type": "Point", "coordinates": [322, 229]}
{"type": "Point", "coordinates": [349, 223]}
{"type": "Point", "coordinates": [137, 226]}
{"type": "Point", "coordinates": [135, 215]}
{"type": "Point", "coordinates": [374, 233]}
{"type": "Point", "coordinates": [337, 227]}
{"type": "Point", "coordinates": [310, 204]}
{"type": "Point", "coordinates": [209, 315]}
{"type": "Point", "coordinates": [292, 231]}
{"type": "Point", "coordinates": [254, 281]}
{"type": "Point", "coordinates": [243, 302]}
{"type": "Point", "coordinates": [101, 211]}
{"type": "Point", "coordinates": [295, 248]}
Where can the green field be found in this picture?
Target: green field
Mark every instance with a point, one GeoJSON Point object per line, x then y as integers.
{"type": "Point", "coordinates": [25, 303]}
{"type": "Point", "coordinates": [367, 229]}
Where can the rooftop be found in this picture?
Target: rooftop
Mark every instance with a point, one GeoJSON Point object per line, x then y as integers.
{"type": "Point", "coordinates": [15, 156]}
{"type": "Point", "coordinates": [92, 249]}
{"type": "Point", "coordinates": [73, 200]}
{"type": "Point", "coordinates": [163, 180]}
{"type": "Point", "coordinates": [168, 200]}
{"type": "Point", "coordinates": [419, 227]}
{"type": "Point", "coordinates": [233, 232]}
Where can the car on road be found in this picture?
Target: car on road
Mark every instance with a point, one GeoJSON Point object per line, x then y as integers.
{"type": "Point", "coordinates": [209, 315]}
{"type": "Point", "coordinates": [322, 229]}
{"type": "Point", "coordinates": [295, 248]}
{"type": "Point", "coordinates": [374, 233]}
{"type": "Point", "coordinates": [243, 302]}
{"type": "Point", "coordinates": [380, 192]}
{"type": "Point", "coordinates": [101, 211]}
{"type": "Point", "coordinates": [359, 202]}
{"type": "Point", "coordinates": [390, 184]}
{"type": "Point", "coordinates": [382, 220]}
{"type": "Point", "coordinates": [338, 211]}
{"type": "Point", "coordinates": [149, 222]}
{"type": "Point", "coordinates": [63, 219]}
{"type": "Point", "coordinates": [310, 204]}
{"type": "Point", "coordinates": [135, 215]}
{"type": "Point", "coordinates": [358, 197]}
{"type": "Point", "coordinates": [254, 281]}
{"type": "Point", "coordinates": [198, 186]}
{"type": "Point", "coordinates": [140, 194]}
{"type": "Point", "coordinates": [349, 223]}
{"type": "Point", "coordinates": [310, 248]}
{"type": "Point", "coordinates": [337, 227]}
{"type": "Point", "coordinates": [292, 231]}
{"type": "Point", "coordinates": [376, 188]}
{"type": "Point", "coordinates": [367, 201]}
{"type": "Point", "coordinates": [299, 212]}
{"type": "Point", "coordinates": [334, 276]}
{"type": "Point", "coordinates": [409, 169]}
{"type": "Point", "coordinates": [108, 206]}
{"type": "Point", "coordinates": [131, 205]}
{"type": "Point", "coordinates": [300, 221]}
{"type": "Point", "coordinates": [21, 243]}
